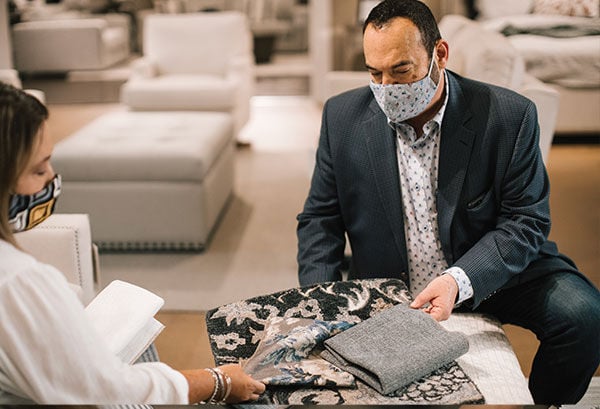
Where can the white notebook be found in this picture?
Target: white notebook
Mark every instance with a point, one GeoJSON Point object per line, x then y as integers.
{"type": "Point", "coordinates": [123, 314]}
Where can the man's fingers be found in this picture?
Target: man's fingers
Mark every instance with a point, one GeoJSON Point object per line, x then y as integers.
{"type": "Point", "coordinates": [421, 299]}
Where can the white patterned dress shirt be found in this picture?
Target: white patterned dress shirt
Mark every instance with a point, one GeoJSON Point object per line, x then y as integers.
{"type": "Point", "coordinates": [418, 159]}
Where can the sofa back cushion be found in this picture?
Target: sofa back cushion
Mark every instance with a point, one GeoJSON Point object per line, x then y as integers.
{"type": "Point", "coordinates": [196, 42]}
{"type": "Point", "coordinates": [481, 54]}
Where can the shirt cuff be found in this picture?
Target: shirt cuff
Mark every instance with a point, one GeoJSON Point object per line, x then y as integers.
{"type": "Point", "coordinates": [465, 289]}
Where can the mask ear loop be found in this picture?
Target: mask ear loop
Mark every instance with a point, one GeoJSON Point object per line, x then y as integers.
{"type": "Point", "coordinates": [431, 64]}
{"type": "Point", "coordinates": [431, 68]}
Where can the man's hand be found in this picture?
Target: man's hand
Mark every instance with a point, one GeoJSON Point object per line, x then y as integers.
{"type": "Point", "coordinates": [440, 294]}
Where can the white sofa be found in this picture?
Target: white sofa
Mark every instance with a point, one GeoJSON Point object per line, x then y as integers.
{"type": "Point", "coordinates": [194, 62]}
{"type": "Point", "coordinates": [64, 241]}
{"type": "Point", "coordinates": [71, 41]}
{"type": "Point", "coordinates": [568, 65]}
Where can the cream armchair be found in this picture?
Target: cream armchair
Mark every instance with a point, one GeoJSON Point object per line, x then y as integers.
{"type": "Point", "coordinates": [194, 62]}
{"type": "Point", "coordinates": [64, 241]}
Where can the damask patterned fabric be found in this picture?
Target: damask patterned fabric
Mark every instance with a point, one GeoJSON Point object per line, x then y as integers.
{"type": "Point", "coordinates": [236, 331]}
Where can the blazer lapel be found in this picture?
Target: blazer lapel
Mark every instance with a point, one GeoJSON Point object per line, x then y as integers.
{"type": "Point", "coordinates": [381, 145]}
{"type": "Point", "coordinates": [455, 152]}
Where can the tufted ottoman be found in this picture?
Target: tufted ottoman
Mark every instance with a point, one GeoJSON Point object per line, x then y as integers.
{"type": "Point", "coordinates": [148, 180]}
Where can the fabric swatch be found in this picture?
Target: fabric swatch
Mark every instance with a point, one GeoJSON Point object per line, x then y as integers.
{"type": "Point", "coordinates": [394, 348]}
{"type": "Point", "coordinates": [289, 354]}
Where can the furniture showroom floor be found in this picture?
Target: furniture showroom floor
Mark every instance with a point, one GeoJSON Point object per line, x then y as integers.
{"type": "Point", "coordinates": [253, 250]}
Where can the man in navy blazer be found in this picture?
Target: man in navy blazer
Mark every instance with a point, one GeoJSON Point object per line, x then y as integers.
{"type": "Point", "coordinates": [439, 180]}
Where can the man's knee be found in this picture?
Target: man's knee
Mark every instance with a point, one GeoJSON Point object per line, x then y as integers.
{"type": "Point", "coordinates": [578, 308]}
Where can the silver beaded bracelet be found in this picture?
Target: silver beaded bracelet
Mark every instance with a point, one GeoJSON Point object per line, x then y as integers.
{"type": "Point", "coordinates": [216, 377]}
{"type": "Point", "coordinates": [227, 385]}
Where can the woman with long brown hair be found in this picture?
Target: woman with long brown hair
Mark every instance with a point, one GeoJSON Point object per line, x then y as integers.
{"type": "Point", "coordinates": [49, 352]}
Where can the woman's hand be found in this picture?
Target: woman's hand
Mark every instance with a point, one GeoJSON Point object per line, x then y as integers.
{"type": "Point", "coordinates": [243, 386]}
{"type": "Point", "coordinates": [202, 384]}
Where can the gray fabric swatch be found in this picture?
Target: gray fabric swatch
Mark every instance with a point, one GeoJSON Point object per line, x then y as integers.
{"type": "Point", "coordinates": [394, 348]}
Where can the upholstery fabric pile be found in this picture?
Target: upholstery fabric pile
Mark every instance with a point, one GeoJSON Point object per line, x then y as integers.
{"type": "Point", "coordinates": [279, 337]}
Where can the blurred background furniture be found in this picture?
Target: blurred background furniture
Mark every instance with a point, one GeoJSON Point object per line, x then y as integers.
{"type": "Point", "coordinates": [276, 25]}
{"type": "Point", "coordinates": [60, 40]}
{"type": "Point", "coordinates": [488, 56]}
{"type": "Point", "coordinates": [184, 67]}
{"type": "Point", "coordinates": [10, 76]}
{"type": "Point", "coordinates": [64, 241]}
{"type": "Point", "coordinates": [560, 44]}
{"type": "Point", "coordinates": [149, 180]}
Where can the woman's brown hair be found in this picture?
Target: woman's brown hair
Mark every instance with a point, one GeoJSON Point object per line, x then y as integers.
{"type": "Point", "coordinates": [21, 117]}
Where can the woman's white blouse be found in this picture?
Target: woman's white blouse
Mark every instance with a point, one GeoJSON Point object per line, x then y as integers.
{"type": "Point", "coordinates": [51, 354]}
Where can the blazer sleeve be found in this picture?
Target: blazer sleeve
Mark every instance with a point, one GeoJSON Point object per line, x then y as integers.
{"type": "Point", "coordinates": [523, 221]}
{"type": "Point", "coordinates": [321, 232]}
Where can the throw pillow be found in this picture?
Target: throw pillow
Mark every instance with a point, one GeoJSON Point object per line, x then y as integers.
{"type": "Point", "coordinates": [576, 8]}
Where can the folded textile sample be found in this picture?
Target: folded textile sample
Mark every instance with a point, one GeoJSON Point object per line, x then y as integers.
{"type": "Point", "coordinates": [394, 348]}
{"type": "Point", "coordinates": [289, 354]}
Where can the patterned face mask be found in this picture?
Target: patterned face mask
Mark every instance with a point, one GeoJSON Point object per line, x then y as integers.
{"type": "Point", "coordinates": [400, 102]}
{"type": "Point", "coordinates": [27, 211]}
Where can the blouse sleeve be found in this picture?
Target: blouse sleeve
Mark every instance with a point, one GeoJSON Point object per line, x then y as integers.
{"type": "Point", "coordinates": [51, 354]}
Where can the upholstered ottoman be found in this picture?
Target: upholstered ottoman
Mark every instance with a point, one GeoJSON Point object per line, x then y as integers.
{"type": "Point", "coordinates": [148, 180]}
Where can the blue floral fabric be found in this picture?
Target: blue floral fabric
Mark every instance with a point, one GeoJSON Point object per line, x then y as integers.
{"type": "Point", "coordinates": [289, 354]}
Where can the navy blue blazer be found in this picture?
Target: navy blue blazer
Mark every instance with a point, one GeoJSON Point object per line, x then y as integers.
{"type": "Point", "coordinates": [492, 197]}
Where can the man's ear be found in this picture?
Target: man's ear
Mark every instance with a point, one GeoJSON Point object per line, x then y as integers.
{"type": "Point", "coordinates": [442, 53]}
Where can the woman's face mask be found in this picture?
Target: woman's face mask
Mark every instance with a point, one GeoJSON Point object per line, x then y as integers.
{"type": "Point", "coordinates": [27, 211]}
{"type": "Point", "coordinates": [400, 102]}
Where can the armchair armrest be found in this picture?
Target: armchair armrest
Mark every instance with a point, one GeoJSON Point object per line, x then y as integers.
{"type": "Point", "coordinates": [241, 71]}
{"type": "Point", "coordinates": [241, 65]}
{"type": "Point", "coordinates": [10, 76]}
{"type": "Point", "coordinates": [64, 241]}
{"type": "Point", "coordinates": [143, 68]}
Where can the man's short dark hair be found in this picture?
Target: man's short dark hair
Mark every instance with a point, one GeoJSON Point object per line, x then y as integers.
{"type": "Point", "coordinates": [413, 10]}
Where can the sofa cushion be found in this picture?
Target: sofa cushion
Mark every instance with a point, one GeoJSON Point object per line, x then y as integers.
{"type": "Point", "coordinates": [181, 92]}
